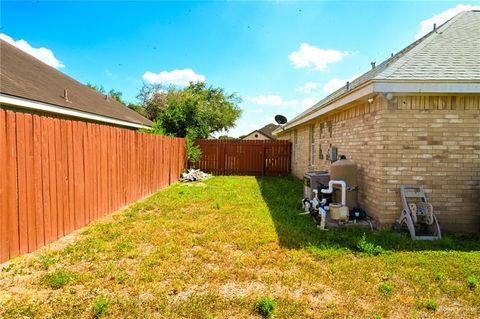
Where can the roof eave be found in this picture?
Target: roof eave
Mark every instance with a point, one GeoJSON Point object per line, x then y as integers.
{"type": "Point", "coordinates": [50, 108]}
{"type": "Point", "coordinates": [387, 86]}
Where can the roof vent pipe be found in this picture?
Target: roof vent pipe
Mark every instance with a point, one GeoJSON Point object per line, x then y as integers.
{"type": "Point", "coordinates": [373, 64]}
{"type": "Point", "coordinates": [65, 94]}
{"type": "Point", "coordinates": [434, 27]}
{"type": "Point", "coordinates": [106, 97]}
{"type": "Point", "coordinates": [348, 85]}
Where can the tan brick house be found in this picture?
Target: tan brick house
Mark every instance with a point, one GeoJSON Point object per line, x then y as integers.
{"type": "Point", "coordinates": [413, 119]}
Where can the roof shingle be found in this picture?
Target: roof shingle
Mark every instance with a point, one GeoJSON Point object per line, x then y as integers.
{"type": "Point", "coordinates": [22, 75]}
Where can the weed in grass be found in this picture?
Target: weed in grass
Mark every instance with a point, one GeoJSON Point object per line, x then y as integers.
{"type": "Point", "coordinates": [21, 310]}
{"type": "Point", "coordinates": [431, 304]}
{"type": "Point", "coordinates": [368, 248]}
{"type": "Point", "coordinates": [100, 306]}
{"type": "Point", "coordinates": [265, 307]}
{"type": "Point", "coordinates": [57, 279]}
{"type": "Point", "coordinates": [46, 261]}
{"type": "Point", "coordinates": [472, 282]}
{"type": "Point", "coordinates": [386, 288]}
{"type": "Point", "coordinates": [216, 205]}
{"type": "Point", "coordinates": [8, 267]}
{"type": "Point", "coordinates": [439, 276]}
{"type": "Point", "coordinates": [147, 277]}
{"type": "Point", "coordinates": [333, 270]}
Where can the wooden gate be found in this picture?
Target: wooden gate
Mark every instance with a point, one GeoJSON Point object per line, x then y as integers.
{"type": "Point", "coordinates": [238, 157]}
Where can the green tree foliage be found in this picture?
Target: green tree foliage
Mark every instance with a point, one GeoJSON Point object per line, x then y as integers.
{"type": "Point", "coordinates": [192, 112]}
{"type": "Point", "coordinates": [226, 137]}
{"type": "Point", "coordinates": [195, 111]}
{"type": "Point", "coordinates": [116, 95]}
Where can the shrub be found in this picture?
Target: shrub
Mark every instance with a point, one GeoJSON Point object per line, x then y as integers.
{"type": "Point", "coordinates": [472, 282]}
{"type": "Point", "coordinates": [369, 248]}
{"type": "Point", "coordinates": [385, 288]}
{"type": "Point", "coordinates": [100, 305]}
{"type": "Point", "coordinates": [57, 279]}
{"type": "Point", "coordinates": [193, 151]}
{"type": "Point", "coordinates": [266, 307]}
{"type": "Point", "coordinates": [431, 304]}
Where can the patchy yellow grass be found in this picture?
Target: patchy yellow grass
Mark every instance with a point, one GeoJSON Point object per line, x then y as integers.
{"type": "Point", "coordinates": [214, 250]}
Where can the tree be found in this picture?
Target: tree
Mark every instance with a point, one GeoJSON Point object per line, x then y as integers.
{"type": "Point", "coordinates": [153, 99]}
{"type": "Point", "coordinates": [116, 95]}
{"type": "Point", "coordinates": [226, 137]}
{"type": "Point", "coordinates": [195, 111]}
{"type": "Point", "coordinates": [192, 112]}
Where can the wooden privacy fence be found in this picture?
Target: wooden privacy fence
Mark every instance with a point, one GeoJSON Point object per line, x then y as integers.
{"type": "Point", "coordinates": [58, 175]}
{"type": "Point", "coordinates": [230, 157]}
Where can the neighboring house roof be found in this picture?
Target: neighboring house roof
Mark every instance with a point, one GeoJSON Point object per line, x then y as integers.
{"type": "Point", "coordinates": [450, 54]}
{"type": "Point", "coordinates": [267, 130]}
{"type": "Point", "coordinates": [23, 76]}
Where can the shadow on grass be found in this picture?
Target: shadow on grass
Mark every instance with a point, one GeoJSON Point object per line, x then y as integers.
{"type": "Point", "coordinates": [283, 197]}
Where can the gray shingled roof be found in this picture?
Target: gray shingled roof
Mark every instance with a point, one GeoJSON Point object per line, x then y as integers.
{"type": "Point", "coordinates": [22, 75]}
{"type": "Point", "coordinates": [451, 53]}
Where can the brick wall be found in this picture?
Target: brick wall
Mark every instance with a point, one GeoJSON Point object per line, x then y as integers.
{"type": "Point", "coordinates": [355, 132]}
{"type": "Point", "coordinates": [433, 141]}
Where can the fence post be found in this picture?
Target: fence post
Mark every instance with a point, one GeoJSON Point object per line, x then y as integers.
{"type": "Point", "coordinates": [263, 159]}
{"type": "Point", "coordinates": [222, 158]}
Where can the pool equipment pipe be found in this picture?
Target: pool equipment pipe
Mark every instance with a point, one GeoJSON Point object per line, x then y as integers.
{"type": "Point", "coordinates": [330, 189]}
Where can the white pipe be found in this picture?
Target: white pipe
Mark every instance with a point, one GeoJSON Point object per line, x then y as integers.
{"type": "Point", "coordinates": [323, 215]}
{"type": "Point", "coordinates": [330, 189]}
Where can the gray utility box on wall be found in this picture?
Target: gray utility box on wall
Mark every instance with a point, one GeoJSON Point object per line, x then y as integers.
{"type": "Point", "coordinates": [312, 180]}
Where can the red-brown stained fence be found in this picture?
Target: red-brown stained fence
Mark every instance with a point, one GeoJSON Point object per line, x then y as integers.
{"type": "Point", "coordinates": [58, 175]}
{"type": "Point", "coordinates": [238, 157]}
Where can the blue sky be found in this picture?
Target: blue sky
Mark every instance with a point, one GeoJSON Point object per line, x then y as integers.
{"type": "Point", "coordinates": [280, 57]}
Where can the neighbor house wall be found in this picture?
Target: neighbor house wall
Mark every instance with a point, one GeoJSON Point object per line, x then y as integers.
{"type": "Point", "coordinates": [434, 141]}
{"type": "Point", "coordinates": [259, 136]}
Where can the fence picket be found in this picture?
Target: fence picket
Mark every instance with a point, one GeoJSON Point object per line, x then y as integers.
{"type": "Point", "coordinates": [226, 157]}
{"type": "Point", "coordinates": [60, 174]}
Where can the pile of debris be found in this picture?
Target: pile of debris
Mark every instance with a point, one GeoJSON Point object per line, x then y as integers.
{"type": "Point", "coordinates": [193, 175]}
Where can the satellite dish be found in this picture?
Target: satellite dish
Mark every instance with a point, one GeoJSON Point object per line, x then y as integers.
{"type": "Point", "coordinates": [280, 119]}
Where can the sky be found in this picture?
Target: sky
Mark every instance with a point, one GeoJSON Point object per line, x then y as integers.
{"type": "Point", "coordinates": [279, 57]}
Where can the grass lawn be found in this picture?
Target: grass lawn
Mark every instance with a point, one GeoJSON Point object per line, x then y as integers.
{"type": "Point", "coordinates": [234, 247]}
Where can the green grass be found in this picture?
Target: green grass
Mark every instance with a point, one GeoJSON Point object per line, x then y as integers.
{"type": "Point", "coordinates": [57, 279]}
{"type": "Point", "coordinates": [100, 306]}
{"type": "Point", "coordinates": [214, 249]}
{"type": "Point", "coordinates": [265, 307]}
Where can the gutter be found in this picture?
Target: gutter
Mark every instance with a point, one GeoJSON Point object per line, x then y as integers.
{"type": "Point", "coordinates": [50, 108]}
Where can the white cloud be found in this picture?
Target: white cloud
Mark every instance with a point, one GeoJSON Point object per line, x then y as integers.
{"type": "Point", "coordinates": [308, 87]}
{"type": "Point", "coordinates": [174, 77]}
{"type": "Point", "coordinates": [309, 56]}
{"type": "Point", "coordinates": [278, 101]}
{"type": "Point", "coordinates": [336, 83]}
{"type": "Point", "coordinates": [43, 54]}
{"type": "Point", "coordinates": [427, 25]}
{"type": "Point", "coordinates": [307, 103]}
{"type": "Point", "coordinates": [271, 100]}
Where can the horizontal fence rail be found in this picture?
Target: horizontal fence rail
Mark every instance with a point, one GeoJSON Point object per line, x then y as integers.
{"type": "Point", "coordinates": [58, 175]}
{"type": "Point", "coordinates": [239, 157]}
